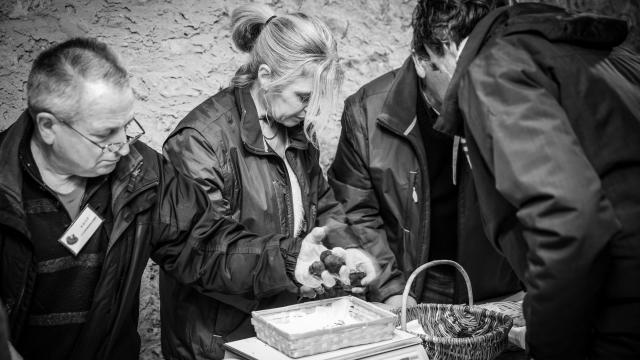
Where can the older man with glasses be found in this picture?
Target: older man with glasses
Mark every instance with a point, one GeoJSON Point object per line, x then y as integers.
{"type": "Point", "coordinates": [82, 207]}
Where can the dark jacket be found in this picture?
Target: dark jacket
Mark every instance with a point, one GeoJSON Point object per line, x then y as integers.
{"type": "Point", "coordinates": [551, 110]}
{"type": "Point", "coordinates": [156, 211]}
{"type": "Point", "coordinates": [220, 145]}
{"type": "Point", "coordinates": [380, 162]}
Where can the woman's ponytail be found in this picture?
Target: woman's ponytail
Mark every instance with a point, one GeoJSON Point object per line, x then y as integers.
{"type": "Point", "coordinates": [247, 22]}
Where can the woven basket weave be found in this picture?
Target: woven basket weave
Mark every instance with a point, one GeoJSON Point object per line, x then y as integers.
{"type": "Point", "coordinates": [463, 332]}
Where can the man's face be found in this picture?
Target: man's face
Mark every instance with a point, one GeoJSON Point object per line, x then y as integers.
{"type": "Point", "coordinates": [104, 112]}
{"type": "Point", "coordinates": [436, 73]}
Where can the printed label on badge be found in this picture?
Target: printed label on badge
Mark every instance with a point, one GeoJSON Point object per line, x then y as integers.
{"type": "Point", "coordinates": [79, 233]}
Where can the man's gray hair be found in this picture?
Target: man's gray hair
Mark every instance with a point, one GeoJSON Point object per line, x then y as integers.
{"type": "Point", "coordinates": [56, 77]}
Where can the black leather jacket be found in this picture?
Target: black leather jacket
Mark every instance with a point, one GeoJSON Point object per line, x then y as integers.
{"type": "Point", "coordinates": [220, 145]}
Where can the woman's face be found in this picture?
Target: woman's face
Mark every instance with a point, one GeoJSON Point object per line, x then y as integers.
{"type": "Point", "coordinates": [288, 106]}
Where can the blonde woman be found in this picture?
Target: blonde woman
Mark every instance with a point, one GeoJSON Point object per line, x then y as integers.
{"type": "Point", "coordinates": [252, 148]}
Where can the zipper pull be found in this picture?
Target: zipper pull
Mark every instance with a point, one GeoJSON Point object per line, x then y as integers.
{"type": "Point", "coordinates": [415, 195]}
{"type": "Point", "coordinates": [466, 152]}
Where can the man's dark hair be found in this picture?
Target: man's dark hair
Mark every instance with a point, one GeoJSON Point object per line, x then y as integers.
{"type": "Point", "coordinates": [55, 80]}
{"type": "Point", "coordinates": [439, 22]}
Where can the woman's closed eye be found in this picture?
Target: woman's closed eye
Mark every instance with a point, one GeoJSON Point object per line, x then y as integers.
{"type": "Point", "coordinates": [304, 97]}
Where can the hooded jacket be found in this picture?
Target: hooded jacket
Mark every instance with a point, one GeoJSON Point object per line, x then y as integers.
{"type": "Point", "coordinates": [220, 145]}
{"type": "Point", "coordinates": [551, 111]}
{"type": "Point", "coordinates": [157, 212]}
{"type": "Point", "coordinates": [380, 174]}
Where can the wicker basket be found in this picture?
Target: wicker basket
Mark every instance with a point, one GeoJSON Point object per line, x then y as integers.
{"type": "Point", "coordinates": [487, 342]}
{"type": "Point", "coordinates": [376, 325]}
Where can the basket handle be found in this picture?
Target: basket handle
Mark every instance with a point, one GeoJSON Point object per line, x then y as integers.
{"type": "Point", "coordinates": [407, 287]}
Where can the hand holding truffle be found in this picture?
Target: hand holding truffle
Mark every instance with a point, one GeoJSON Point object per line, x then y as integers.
{"type": "Point", "coordinates": [319, 266]}
{"type": "Point", "coordinates": [310, 251]}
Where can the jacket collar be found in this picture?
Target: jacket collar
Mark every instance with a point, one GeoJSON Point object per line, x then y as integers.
{"type": "Point", "coordinates": [450, 119]}
{"type": "Point", "coordinates": [399, 108]}
{"type": "Point", "coordinates": [12, 213]}
{"type": "Point", "coordinates": [250, 130]}
{"type": "Point", "coordinates": [130, 176]}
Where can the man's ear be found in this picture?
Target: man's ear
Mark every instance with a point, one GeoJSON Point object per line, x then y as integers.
{"type": "Point", "coordinates": [264, 75]}
{"type": "Point", "coordinates": [419, 64]}
{"type": "Point", "coordinates": [44, 126]}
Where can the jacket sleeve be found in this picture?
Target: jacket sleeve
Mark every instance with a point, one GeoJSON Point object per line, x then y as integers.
{"type": "Point", "coordinates": [213, 254]}
{"type": "Point", "coordinates": [332, 216]}
{"type": "Point", "coordinates": [526, 140]}
{"type": "Point", "coordinates": [351, 183]}
{"type": "Point", "coordinates": [192, 155]}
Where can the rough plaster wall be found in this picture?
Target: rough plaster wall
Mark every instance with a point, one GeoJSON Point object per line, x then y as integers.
{"type": "Point", "coordinates": [179, 52]}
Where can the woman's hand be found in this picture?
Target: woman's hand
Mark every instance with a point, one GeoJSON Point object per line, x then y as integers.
{"type": "Point", "coordinates": [310, 251]}
{"type": "Point", "coordinates": [356, 260]}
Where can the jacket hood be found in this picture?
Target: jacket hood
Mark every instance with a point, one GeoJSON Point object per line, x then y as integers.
{"type": "Point", "coordinates": [550, 22]}
{"type": "Point", "coordinates": [12, 213]}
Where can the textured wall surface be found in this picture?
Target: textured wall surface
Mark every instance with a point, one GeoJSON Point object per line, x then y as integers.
{"type": "Point", "coordinates": [179, 52]}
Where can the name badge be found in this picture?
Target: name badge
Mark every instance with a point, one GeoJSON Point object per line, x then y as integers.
{"type": "Point", "coordinates": [81, 230]}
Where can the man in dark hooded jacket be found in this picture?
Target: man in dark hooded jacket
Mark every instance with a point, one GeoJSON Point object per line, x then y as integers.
{"type": "Point", "coordinates": [550, 106]}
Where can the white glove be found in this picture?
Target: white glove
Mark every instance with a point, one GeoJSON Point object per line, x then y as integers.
{"type": "Point", "coordinates": [310, 251]}
{"type": "Point", "coordinates": [359, 260]}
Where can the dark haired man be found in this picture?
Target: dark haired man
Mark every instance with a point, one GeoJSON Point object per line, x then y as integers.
{"type": "Point", "coordinates": [83, 206]}
{"type": "Point", "coordinates": [408, 191]}
{"type": "Point", "coordinates": [549, 103]}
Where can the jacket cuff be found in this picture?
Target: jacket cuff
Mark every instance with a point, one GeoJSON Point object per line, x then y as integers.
{"type": "Point", "coordinates": [275, 272]}
{"type": "Point", "coordinates": [290, 250]}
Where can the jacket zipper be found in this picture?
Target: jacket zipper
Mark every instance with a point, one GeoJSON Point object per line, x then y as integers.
{"type": "Point", "coordinates": [423, 210]}
{"type": "Point", "coordinates": [19, 301]}
{"type": "Point", "coordinates": [288, 196]}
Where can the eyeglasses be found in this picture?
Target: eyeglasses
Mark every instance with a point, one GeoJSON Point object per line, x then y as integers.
{"type": "Point", "coordinates": [132, 130]}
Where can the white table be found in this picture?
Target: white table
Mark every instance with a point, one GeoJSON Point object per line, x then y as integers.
{"type": "Point", "coordinates": [403, 346]}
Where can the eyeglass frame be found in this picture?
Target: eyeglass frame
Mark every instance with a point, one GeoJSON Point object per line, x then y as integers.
{"type": "Point", "coordinates": [108, 147]}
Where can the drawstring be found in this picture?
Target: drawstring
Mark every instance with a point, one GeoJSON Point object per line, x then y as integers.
{"type": "Point", "coordinates": [465, 148]}
{"type": "Point", "coordinates": [454, 162]}
{"type": "Point", "coordinates": [457, 140]}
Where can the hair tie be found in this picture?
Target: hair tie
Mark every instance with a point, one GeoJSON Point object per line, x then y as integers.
{"type": "Point", "coordinates": [269, 19]}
